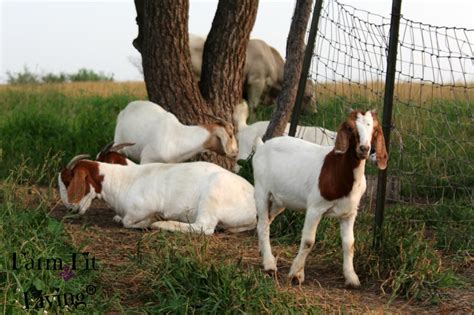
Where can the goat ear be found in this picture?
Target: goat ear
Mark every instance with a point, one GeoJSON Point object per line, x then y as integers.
{"type": "Point", "coordinates": [380, 149]}
{"type": "Point", "coordinates": [342, 139]}
{"type": "Point", "coordinates": [223, 137]}
{"type": "Point", "coordinates": [77, 187]}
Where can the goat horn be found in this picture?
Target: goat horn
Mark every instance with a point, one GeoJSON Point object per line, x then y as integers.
{"type": "Point", "coordinates": [107, 148]}
{"type": "Point", "coordinates": [348, 109]}
{"type": "Point", "coordinates": [217, 119]}
{"type": "Point", "coordinates": [119, 146]}
{"type": "Point", "coordinates": [76, 159]}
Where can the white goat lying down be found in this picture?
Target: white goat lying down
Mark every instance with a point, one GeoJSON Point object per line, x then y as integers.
{"type": "Point", "coordinates": [160, 137]}
{"type": "Point", "coordinates": [247, 134]}
{"type": "Point", "coordinates": [188, 197]}
{"type": "Point", "coordinates": [324, 180]}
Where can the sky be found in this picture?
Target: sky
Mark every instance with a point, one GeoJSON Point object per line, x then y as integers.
{"type": "Point", "coordinates": [63, 36]}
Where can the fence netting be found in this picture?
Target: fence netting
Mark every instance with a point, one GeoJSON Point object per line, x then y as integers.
{"type": "Point", "coordinates": [431, 150]}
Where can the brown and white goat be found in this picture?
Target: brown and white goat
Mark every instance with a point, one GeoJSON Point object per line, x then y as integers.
{"type": "Point", "coordinates": [192, 197]}
{"type": "Point", "coordinates": [109, 154]}
{"type": "Point", "coordinates": [324, 180]}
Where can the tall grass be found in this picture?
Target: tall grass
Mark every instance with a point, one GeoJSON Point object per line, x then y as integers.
{"type": "Point", "coordinates": [184, 277]}
{"type": "Point", "coordinates": [431, 147]}
{"type": "Point", "coordinates": [42, 127]}
{"type": "Point", "coordinates": [39, 124]}
{"type": "Point", "coordinates": [26, 229]}
{"type": "Point", "coordinates": [410, 263]}
{"type": "Point", "coordinates": [179, 274]}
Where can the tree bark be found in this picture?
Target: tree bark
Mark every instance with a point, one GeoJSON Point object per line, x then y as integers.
{"type": "Point", "coordinates": [224, 54]}
{"type": "Point", "coordinates": [166, 59]}
{"type": "Point", "coordinates": [139, 7]}
{"type": "Point", "coordinates": [163, 42]}
{"type": "Point", "coordinates": [294, 61]}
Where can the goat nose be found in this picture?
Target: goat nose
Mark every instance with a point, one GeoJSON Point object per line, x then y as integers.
{"type": "Point", "coordinates": [364, 148]}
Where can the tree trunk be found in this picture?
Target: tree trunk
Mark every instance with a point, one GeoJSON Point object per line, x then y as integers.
{"type": "Point", "coordinates": [164, 44]}
{"type": "Point", "coordinates": [139, 7]}
{"type": "Point", "coordinates": [166, 59]}
{"type": "Point", "coordinates": [225, 49]}
{"type": "Point", "coordinates": [294, 61]}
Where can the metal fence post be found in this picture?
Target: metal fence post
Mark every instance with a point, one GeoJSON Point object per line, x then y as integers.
{"type": "Point", "coordinates": [308, 55]}
{"type": "Point", "coordinates": [387, 117]}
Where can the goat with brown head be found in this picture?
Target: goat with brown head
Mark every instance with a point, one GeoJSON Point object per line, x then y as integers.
{"type": "Point", "coordinates": [142, 194]}
{"type": "Point", "coordinates": [110, 154]}
{"type": "Point", "coordinates": [326, 181]}
{"type": "Point", "coordinates": [359, 132]}
{"type": "Point", "coordinates": [222, 140]}
{"type": "Point", "coordinates": [79, 183]}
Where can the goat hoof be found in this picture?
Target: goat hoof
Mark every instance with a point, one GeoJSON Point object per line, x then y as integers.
{"type": "Point", "coordinates": [270, 272]}
{"type": "Point", "coordinates": [297, 278]}
{"type": "Point", "coordinates": [352, 285]}
{"type": "Point", "coordinates": [269, 265]}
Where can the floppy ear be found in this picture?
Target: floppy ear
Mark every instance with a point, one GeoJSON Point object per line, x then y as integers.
{"type": "Point", "coordinates": [342, 139]}
{"type": "Point", "coordinates": [77, 187]}
{"type": "Point", "coordinates": [223, 137]}
{"type": "Point", "coordinates": [380, 149]}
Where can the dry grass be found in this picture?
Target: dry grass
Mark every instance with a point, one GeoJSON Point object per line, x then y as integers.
{"type": "Point", "coordinates": [79, 89]}
{"type": "Point", "coordinates": [372, 91]}
{"type": "Point", "coordinates": [405, 92]}
{"type": "Point", "coordinates": [118, 251]}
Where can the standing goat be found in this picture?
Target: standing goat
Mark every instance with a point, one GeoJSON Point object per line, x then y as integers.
{"type": "Point", "coordinates": [263, 73]}
{"type": "Point", "coordinates": [188, 197]}
{"type": "Point", "coordinates": [329, 181]}
{"type": "Point", "coordinates": [160, 137]}
{"type": "Point", "coordinates": [247, 134]}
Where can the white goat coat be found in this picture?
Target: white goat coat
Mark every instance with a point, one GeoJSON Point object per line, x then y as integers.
{"type": "Point", "coordinates": [288, 168]}
{"type": "Point", "coordinates": [158, 135]}
{"type": "Point", "coordinates": [199, 193]}
{"type": "Point", "coordinates": [248, 134]}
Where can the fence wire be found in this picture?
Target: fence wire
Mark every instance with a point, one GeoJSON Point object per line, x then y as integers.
{"type": "Point", "coordinates": [432, 148]}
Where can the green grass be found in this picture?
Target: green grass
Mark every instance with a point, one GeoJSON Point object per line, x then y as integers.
{"type": "Point", "coordinates": [36, 126]}
{"type": "Point", "coordinates": [431, 151]}
{"type": "Point", "coordinates": [431, 147]}
{"type": "Point", "coordinates": [180, 274]}
{"type": "Point", "coordinates": [40, 130]}
{"type": "Point", "coordinates": [26, 228]}
{"type": "Point", "coordinates": [183, 277]}
{"type": "Point", "coordinates": [410, 264]}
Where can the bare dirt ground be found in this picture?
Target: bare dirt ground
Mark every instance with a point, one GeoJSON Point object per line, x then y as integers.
{"type": "Point", "coordinates": [112, 244]}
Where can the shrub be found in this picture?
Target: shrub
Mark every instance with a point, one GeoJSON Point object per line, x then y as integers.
{"type": "Point", "coordinates": [25, 77]}
{"type": "Point", "coordinates": [82, 75]}
{"type": "Point", "coordinates": [89, 75]}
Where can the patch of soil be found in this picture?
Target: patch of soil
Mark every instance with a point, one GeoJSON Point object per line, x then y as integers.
{"type": "Point", "coordinates": [115, 247]}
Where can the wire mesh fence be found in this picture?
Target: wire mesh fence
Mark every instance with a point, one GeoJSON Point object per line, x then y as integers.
{"type": "Point", "coordinates": [432, 138]}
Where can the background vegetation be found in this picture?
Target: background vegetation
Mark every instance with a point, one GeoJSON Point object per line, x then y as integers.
{"type": "Point", "coordinates": [82, 75]}
{"type": "Point", "coordinates": [426, 248]}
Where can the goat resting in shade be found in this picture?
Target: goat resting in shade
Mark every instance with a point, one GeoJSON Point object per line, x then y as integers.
{"type": "Point", "coordinates": [188, 197]}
